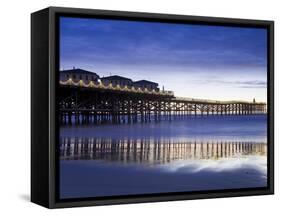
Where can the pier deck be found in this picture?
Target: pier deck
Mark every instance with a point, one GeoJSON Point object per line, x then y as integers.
{"type": "Point", "coordinates": [81, 102]}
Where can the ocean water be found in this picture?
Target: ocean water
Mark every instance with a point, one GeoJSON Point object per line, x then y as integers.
{"type": "Point", "coordinates": [190, 154]}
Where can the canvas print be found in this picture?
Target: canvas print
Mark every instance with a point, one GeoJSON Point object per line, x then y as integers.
{"type": "Point", "coordinates": [153, 107]}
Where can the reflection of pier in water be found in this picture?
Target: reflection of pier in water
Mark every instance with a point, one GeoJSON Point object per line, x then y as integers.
{"type": "Point", "coordinates": [153, 151]}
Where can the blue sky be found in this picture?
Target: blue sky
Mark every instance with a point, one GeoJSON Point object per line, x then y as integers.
{"type": "Point", "coordinates": [200, 61]}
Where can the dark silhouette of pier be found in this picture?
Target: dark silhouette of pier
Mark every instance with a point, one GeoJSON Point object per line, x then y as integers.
{"type": "Point", "coordinates": [94, 102]}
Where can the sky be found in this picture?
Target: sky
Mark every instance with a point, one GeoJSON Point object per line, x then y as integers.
{"type": "Point", "coordinates": [199, 61]}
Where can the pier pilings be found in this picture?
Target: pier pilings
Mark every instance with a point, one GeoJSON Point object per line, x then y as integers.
{"type": "Point", "coordinates": [87, 106]}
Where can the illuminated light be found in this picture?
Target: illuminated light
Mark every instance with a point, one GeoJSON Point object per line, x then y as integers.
{"type": "Point", "coordinates": [139, 90]}
{"type": "Point", "coordinates": [80, 83]}
{"type": "Point", "coordinates": [91, 84]}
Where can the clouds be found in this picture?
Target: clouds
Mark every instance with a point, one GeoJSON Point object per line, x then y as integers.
{"type": "Point", "coordinates": [235, 83]}
{"type": "Point", "coordinates": [174, 55]}
{"type": "Point", "coordinates": [253, 84]}
{"type": "Point", "coordinates": [145, 43]}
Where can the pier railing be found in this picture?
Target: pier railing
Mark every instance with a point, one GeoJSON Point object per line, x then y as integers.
{"type": "Point", "coordinates": [121, 88]}
{"type": "Point", "coordinates": [208, 101]}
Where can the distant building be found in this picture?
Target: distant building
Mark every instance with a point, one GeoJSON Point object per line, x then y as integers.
{"type": "Point", "coordinates": [117, 80]}
{"type": "Point", "coordinates": [77, 74]}
{"type": "Point", "coordinates": [146, 84]}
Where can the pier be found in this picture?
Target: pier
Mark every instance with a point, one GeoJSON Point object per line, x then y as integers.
{"type": "Point", "coordinates": [82, 102]}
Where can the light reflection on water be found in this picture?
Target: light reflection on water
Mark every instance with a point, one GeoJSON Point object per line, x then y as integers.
{"type": "Point", "coordinates": [199, 154]}
{"type": "Point", "coordinates": [161, 151]}
{"type": "Point", "coordinates": [254, 162]}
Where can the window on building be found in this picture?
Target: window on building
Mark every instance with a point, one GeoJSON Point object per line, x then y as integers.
{"type": "Point", "coordinates": [86, 77]}
{"type": "Point", "coordinates": [74, 76]}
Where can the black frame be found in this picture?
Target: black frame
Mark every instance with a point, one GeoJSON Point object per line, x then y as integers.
{"type": "Point", "coordinates": [44, 112]}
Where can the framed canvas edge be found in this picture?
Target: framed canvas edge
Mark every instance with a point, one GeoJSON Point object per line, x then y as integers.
{"type": "Point", "coordinates": [54, 11]}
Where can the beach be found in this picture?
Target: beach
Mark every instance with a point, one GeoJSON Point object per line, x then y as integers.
{"type": "Point", "coordinates": [183, 155]}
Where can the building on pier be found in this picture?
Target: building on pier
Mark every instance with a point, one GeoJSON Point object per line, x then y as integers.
{"type": "Point", "coordinates": [77, 74]}
{"type": "Point", "coordinates": [145, 84]}
{"type": "Point", "coordinates": [117, 80]}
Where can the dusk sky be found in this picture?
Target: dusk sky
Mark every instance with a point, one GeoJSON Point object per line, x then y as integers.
{"type": "Point", "coordinates": [208, 62]}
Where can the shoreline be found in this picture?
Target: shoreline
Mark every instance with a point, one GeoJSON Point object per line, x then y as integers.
{"type": "Point", "coordinates": [94, 179]}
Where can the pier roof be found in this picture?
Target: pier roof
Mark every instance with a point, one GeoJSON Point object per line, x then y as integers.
{"type": "Point", "coordinates": [78, 71]}
{"type": "Point", "coordinates": [115, 77]}
{"type": "Point", "coordinates": [145, 82]}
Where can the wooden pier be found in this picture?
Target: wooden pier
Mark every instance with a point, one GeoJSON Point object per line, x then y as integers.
{"type": "Point", "coordinates": [95, 103]}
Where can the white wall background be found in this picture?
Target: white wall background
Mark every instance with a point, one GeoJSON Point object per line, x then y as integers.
{"type": "Point", "coordinates": [15, 106]}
